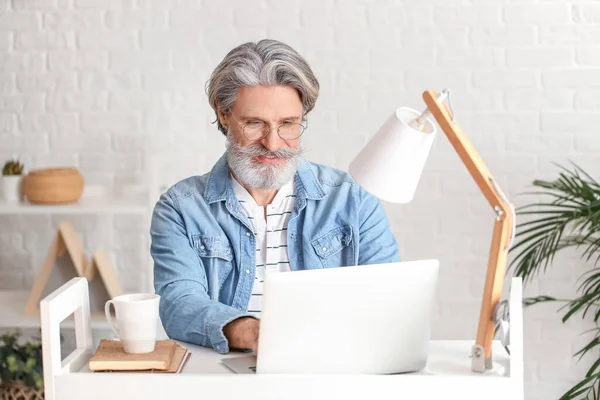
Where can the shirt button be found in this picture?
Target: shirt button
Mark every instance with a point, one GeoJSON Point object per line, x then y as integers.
{"type": "Point", "coordinates": [227, 252]}
{"type": "Point", "coordinates": [218, 347]}
{"type": "Point", "coordinates": [292, 235]}
{"type": "Point", "coordinates": [324, 249]}
{"type": "Point", "coordinates": [248, 233]}
{"type": "Point", "coordinates": [202, 247]}
{"type": "Point", "coordinates": [247, 271]}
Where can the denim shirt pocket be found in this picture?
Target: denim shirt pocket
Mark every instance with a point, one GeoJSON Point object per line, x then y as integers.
{"type": "Point", "coordinates": [335, 248]}
{"type": "Point", "coordinates": [216, 254]}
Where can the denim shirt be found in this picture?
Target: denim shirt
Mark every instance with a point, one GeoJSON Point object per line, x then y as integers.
{"type": "Point", "coordinates": [204, 247]}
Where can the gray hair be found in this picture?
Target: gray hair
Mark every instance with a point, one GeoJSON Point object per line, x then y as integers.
{"type": "Point", "coordinates": [268, 62]}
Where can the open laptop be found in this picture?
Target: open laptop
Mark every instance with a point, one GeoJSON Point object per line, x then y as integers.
{"type": "Point", "coordinates": [369, 319]}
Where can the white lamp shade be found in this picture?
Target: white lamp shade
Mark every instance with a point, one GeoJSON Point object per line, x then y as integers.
{"type": "Point", "coordinates": [390, 165]}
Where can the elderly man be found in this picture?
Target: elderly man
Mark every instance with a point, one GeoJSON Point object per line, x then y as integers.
{"type": "Point", "coordinates": [262, 209]}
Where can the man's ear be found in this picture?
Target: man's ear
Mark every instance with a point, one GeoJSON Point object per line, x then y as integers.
{"type": "Point", "coordinates": [222, 116]}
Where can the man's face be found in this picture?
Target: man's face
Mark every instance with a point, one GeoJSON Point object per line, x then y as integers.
{"type": "Point", "coordinates": [270, 162]}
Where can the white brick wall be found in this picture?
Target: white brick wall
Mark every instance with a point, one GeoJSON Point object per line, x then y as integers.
{"type": "Point", "coordinates": [92, 83]}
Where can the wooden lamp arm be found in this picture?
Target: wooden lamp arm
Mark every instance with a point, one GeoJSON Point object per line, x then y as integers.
{"type": "Point", "coordinates": [502, 233]}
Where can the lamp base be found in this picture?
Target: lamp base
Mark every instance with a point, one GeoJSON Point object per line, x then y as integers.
{"type": "Point", "coordinates": [478, 361]}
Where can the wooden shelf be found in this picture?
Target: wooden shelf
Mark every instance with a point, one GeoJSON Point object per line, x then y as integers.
{"type": "Point", "coordinates": [86, 205]}
{"type": "Point", "coordinates": [12, 313]}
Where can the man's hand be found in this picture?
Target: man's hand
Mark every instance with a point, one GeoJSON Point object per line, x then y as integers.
{"type": "Point", "coordinates": [242, 333]}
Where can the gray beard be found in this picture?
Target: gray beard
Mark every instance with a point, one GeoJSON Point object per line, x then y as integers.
{"type": "Point", "coordinates": [257, 175]}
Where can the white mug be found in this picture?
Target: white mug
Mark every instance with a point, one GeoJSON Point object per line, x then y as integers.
{"type": "Point", "coordinates": [137, 321]}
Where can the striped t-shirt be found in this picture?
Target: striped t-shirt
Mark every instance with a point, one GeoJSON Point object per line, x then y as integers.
{"type": "Point", "coordinates": [271, 235]}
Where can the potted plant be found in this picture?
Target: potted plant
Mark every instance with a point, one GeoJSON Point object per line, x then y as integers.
{"type": "Point", "coordinates": [568, 217]}
{"type": "Point", "coordinates": [20, 368]}
{"type": "Point", "coordinates": [11, 180]}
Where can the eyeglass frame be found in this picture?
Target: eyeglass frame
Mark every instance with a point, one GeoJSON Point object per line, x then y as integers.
{"type": "Point", "coordinates": [269, 129]}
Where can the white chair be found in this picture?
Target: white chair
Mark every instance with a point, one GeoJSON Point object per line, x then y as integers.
{"type": "Point", "coordinates": [71, 298]}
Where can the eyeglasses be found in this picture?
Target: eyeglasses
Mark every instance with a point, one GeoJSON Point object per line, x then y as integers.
{"type": "Point", "coordinates": [256, 130]}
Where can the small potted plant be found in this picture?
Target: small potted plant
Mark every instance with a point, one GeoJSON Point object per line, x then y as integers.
{"type": "Point", "coordinates": [21, 372]}
{"type": "Point", "coordinates": [12, 173]}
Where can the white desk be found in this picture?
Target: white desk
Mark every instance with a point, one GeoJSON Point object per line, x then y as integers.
{"type": "Point", "coordinates": [447, 375]}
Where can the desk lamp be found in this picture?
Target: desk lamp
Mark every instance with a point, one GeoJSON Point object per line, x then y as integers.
{"type": "Point", "coordinates": [390, 166]}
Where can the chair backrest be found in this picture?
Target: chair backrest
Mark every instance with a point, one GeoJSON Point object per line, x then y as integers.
{"type": "Point", "coordinates": [70, 298]}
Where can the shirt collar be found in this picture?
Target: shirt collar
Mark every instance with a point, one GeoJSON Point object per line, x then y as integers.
{"type": "Point", "coordinates": [240, 192]}
{"type": "Point", "coordinates": [219, 186]}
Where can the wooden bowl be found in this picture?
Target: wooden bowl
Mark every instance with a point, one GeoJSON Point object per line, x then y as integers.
{"type": "Point", "coordinates": [53, 186]}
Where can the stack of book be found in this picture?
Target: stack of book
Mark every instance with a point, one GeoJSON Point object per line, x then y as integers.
{"type": "Point", "coordinates": [168, 357]}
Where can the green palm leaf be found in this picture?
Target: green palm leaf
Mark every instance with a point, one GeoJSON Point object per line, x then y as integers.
{"type": "Point", "coordinates": [569, 217]}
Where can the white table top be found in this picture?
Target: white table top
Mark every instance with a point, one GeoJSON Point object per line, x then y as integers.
{"type": "Point", "coordinates": [447, 358]}
{"type": "Point", "coordinates": [447, 375]}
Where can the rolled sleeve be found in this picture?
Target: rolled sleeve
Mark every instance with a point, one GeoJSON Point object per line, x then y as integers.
{"type": "Point", "coordinates": [216, 326]}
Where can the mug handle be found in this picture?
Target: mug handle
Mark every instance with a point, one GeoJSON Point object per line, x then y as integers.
{"type": "Point", "coordinates": [112, 323]}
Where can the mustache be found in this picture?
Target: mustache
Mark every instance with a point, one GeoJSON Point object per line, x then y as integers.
{"type": "Point", "coordinates": [256, 150]}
